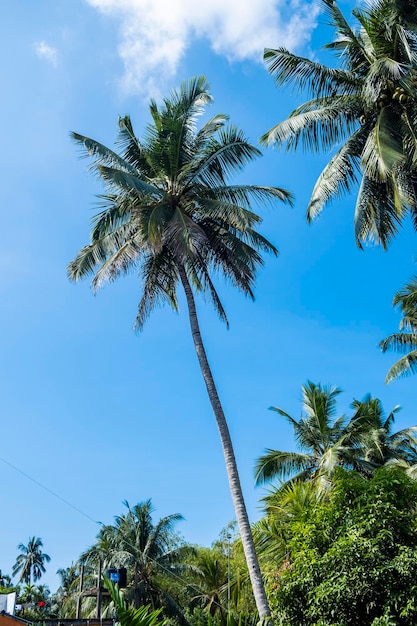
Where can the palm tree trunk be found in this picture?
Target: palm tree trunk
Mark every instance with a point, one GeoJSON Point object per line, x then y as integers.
{"type": "Point", "coordinates": [229, 456]}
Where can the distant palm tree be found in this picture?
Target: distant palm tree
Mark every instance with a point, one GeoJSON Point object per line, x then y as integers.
{"type": "Point", "coordinates": [363, 442]}
{"type": "Point", "coordinates": [210, 590]}
{"type": "Point", "coordinates": [5, 580]}
{"type": "Point", "coordinates": [146, 549]}
{"type": "Point", "coordinates": [171, 215]}
{"type": "Point", "coordinates": [365, 109]}
{"type": "Point", "coordinates": [404, 341]}
{"type": "Point", "coordinates": [65, 597]}
{"type": "Point", "coordinates": [31, 562]}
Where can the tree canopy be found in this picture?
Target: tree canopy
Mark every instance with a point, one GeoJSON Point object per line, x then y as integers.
{"type": "Point", "coordinates": [365, 110]}
{"type": "Point", "coordinates": [353, 558]}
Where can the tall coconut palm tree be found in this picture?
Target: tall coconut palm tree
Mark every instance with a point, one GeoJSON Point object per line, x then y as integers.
{"type": "Point", "coordinates": [365, 109]}
{"type": "Point", "coordinates": [146, 549]}
{"type": "Point", "coordinates": [363, 442]}
{"type": "Point", "coordinates": [31, 561]}
{"type": "Point", "coordinates": [171, 214]}
{"type": "Point", "coordinates": [404, 341]}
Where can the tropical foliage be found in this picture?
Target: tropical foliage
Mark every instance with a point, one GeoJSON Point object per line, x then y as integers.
{"type": "Point", "coordinates": [5, 580]}
{"type": "Point", "coordinates": [129, 616]}
{"type": "Point", "coordinates": [64, 600]}
{"type": "Point", "coordinates": [150, 551]}
{"type": "Point", "coordinates": [353, 559]}
{"type": "Point", "coordinates": [405, 341]}
{"type": "Point", "coordinates": [365, 109]}
{"type": "Point", "coordinates": [31, 561]}
{"type": "Point", "coordinates": [211, 586]}
{"type": "Point", "coordinates": [338, 538]}
{"type": "Point", "coordinates": [363, 442]}
{"type": "Point", "coordinates": [171, 214]}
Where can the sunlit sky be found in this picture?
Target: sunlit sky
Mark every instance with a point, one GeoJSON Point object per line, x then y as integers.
{"type": "Point", "coordinates": [94, 412]}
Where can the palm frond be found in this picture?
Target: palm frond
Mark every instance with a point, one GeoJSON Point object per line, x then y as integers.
{"type": "Point", "coordinates": [104, 156]}
{"type": "Point", "coordinates": [378, 212]}
{"type": "Point", "coordinates": [128, 616]}
{"type": "Point", "coordinates": [405, 366]}
{"type": "Point", "coordinates": [160, 278]}
{"type": "Point", "coordinates": [346, 36]}
{"type": "Point", "coordinates": [382, 152]}
{"type": "Point", "coordinates": [320, 125]}
{"type": "Point", "coordinates": [338, 177]}
{"type": "Point", "coordinates": [276, 464]}
{"type": "Point", "coordinates": [320, 80]}
{"type": "Point", "coordinates": [400, 342]}
{"type": "Point", "coordinates": [129, 182]}
{"type": "Point", "coordinates": [223, 157]}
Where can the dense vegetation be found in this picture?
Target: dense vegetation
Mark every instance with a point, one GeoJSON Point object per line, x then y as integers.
{"type": "Point", "coordinates": [337, 543]}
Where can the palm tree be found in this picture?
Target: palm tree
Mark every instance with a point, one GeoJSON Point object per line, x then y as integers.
{"type": "Point", "coordinates": [366, 109]}
{"type": "Point", "coordinates": [363, 442]}
{"type": "Point", "coordinates": [31, 561]}
{"type": "Point", "coordinates": [147, 550]}
{"type": "Point", "coordinates": [404, 341]}
{"type": "Point", "coordinates": [380, 445]}
{"type": "Point", "coordinates": [171, 213]}
{"type": "Point", "coordinates": [290, 503]}
{"type": "Point", "coordinates": [65, 597]}
{"type": "Point", "coordinates": [5, 580]}
{"type": "Point", "coordinates": [211, 590]}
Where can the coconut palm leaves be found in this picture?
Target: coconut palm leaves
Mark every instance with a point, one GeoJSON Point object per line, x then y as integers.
{"type": "Point", "coordinates": [170, 214]}
{"type": "Point", "coordinates": [129, 616]}
{"type": "Point", "coordinates": [5, 580]}
{"type": "Point", "coordinates": [147, 549]}
{"type": "Point", "coordinates": [363, 442]}
{"type": "Point", "coordinates": [404, 341]}
{"type": "Point", "coordinates": [365, 109]}
{"type": "Point", "coordinates": [169, 204]}
{"type": "Point", "coordinates": [210, 590]}
{"type": "Point", "coordinates": [31, 561]}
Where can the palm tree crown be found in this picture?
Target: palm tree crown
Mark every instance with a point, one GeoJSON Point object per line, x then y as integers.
{"type": "Point", "coordinates": [170, 211]}
{"type": "Point", "coordinates": [171, 214]}
{"type": "Point", "coordinates": [366, 109]}
{"type": "Point", "coordinates": [404, 341]}
{"type": "Point", "coordinates": [31, 562]}
{"type": "Point", "coordinates": [146, 549]}
{"type": "Point", "coordinates": [363, 442]}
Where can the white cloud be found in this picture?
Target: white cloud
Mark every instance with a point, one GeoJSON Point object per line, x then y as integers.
{"type": "Point", "coordinates": [156, 33]}
{"type": "Point", "coordinates": [47, 52]}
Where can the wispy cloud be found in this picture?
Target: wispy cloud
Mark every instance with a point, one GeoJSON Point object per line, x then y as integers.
{"type": "Point", "coordinates": [47, 52]}
{"type": "Point", "coordinates": [155, 34]}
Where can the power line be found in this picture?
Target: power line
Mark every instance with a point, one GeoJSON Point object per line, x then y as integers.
{"type": "Point", "coordinates": [50, 491]}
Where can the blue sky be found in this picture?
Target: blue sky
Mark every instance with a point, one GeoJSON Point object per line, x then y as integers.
{"type": "Point", "coordinates": [89, 409]}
